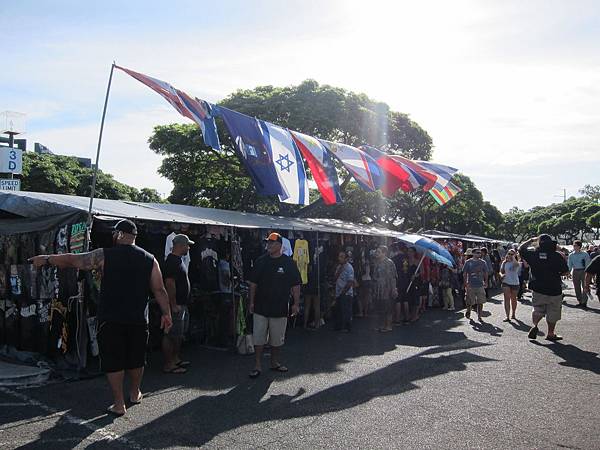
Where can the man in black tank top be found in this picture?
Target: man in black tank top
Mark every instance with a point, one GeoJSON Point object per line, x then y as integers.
{"type": "Point", "coordinates": [129, 274]}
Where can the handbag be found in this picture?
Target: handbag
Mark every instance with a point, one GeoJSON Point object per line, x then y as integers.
{"type": "Point", "coordinates": [245, 345]}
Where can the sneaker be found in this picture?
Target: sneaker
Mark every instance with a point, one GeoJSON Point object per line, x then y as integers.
{"type": "Point", "coordinates": [533, 333]}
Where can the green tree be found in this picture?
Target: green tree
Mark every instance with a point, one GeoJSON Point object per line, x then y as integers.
{"type": "Point", "coordinates": [591, 193]}
{"type": "Point", "coordinates": [147, 195]}
{"type": "Point", "coordinates": [64, 175]}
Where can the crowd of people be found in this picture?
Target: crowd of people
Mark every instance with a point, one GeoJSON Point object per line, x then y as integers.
{"type": "Point", "coordinates": [397, 284]}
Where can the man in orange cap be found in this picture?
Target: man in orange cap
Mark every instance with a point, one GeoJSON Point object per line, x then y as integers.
{"type": "Point", "coordinates": [274, 276]}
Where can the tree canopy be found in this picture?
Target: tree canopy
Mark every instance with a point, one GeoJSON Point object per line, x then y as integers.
{"type": "Point", "coordinates": [64, 175]}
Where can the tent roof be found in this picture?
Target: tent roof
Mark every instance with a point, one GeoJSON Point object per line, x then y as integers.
{"type": "Point", "coordinates": [434, 234]}
{"type": "Point", "coordinates": [38, 205]}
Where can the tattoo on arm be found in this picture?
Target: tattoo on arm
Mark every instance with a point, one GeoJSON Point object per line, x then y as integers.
{"type": "Point", "coordinates": [91, 260]}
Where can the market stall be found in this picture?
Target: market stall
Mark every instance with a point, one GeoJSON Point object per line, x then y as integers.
{"type": "Point", "coordinates": [52, 312]}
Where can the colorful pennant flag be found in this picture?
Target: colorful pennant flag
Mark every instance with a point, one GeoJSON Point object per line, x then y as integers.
{"type": "Point", "coordinates": [194, 109]}
{"type": "Point", "coordinates": [363, 168]}
{"type": "Point", "coordinates": [396, 176]}
{"type": "Point", "coordinates": [445, 194]}
{"type": "Point", "coordinates": [420, 176]}
{"type": "Point", "coordinates": [288, 164]}
{"type": "Point", "coordinates": [443, 173]}
{"type": "Point", "coordinates": [321, 166]}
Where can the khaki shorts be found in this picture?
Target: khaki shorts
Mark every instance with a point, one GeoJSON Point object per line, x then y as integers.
{"type": "Point", "coordinates": [181, 323]}
{"type": "Point", "coordinates": [476, 296]}
{"type": "Point", "coordinates": [547, 305]}
{"type": "Point", "coordinates": [269, 329]}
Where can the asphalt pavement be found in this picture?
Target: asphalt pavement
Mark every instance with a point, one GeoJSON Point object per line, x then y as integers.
{"type": "Point", "coordinates": [443, 382]}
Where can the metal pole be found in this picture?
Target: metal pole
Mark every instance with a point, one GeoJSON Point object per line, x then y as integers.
{"type": "Point", "coordinates": [416, 274]}
{"type": "Point", "coordinates": [95, 177]}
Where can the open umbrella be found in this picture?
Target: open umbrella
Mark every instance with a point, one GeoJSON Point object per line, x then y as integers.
{"type": "Point", "coordinates": [427, 247]}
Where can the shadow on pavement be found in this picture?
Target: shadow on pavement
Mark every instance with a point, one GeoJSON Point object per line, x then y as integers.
{"type": "Point", "coordinates": [208, 416]}
{"type": "Point", "coordinates": [519, 325]}
{"type": "Point", "coordinates": [574, 356]}
{"type": "Point", "coordinates": [485, 327]}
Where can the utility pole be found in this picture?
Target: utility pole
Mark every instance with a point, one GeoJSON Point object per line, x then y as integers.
{"type": "Point", "coordinates": [564, 196]}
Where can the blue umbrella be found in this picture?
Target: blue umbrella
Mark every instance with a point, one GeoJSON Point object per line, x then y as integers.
{"type": "Point", "coordinates": [428, 247]}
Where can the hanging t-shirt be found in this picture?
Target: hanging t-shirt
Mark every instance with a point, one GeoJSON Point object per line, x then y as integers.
{"type": "Point", "coordinates": [302, 258]}
{"type": "Point", "coordinates": [286, 246]}
{"type": "Point", "coordinates": [224, 277]}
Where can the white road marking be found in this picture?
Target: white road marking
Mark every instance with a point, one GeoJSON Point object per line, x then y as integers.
{"type": "Point", "coordinates": [103, 434]}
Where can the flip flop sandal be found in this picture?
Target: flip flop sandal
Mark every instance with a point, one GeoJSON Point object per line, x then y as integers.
{"type": "Point", "coordinates": [183, 363]}
{"type": "Point", "coordinates": [254, 374]}
{"type": "Point", "coordinates": [279, 368]}
{"type": "Point", "coordinates": [138, 401]}
{"type": "Point", "coordinates": [176, 370]}
{"type": "Point", "coordinates": [554, 338]}
{"type": "Point", "coordinates": [112, 411]}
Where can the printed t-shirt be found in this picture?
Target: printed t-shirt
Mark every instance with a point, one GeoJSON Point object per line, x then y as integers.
{"type": "Point", "coordinates": [274, 278]}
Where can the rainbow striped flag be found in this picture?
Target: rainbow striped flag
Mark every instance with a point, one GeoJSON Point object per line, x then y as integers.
{"type": "Point", "coordinates": [444, 195]}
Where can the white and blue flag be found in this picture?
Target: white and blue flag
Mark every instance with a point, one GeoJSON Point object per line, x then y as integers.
{"type": "Point", "coordinates": [288, 164]}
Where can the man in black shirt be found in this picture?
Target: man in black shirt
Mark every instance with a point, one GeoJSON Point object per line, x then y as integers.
{"type": "Point", "coordinates": [274, 276]}
{"type": "Point", "coordinates": [547, 267]}
{"type": "Point", "coordinates": [128, 273]}
{"type": "Point", "coordinates": [178, 288]}
{"type": "Point", "coordinates": [593, 269]}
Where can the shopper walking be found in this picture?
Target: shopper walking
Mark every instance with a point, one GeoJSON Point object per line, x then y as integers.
{"type": "Point", "coordinates": [475, 273]}
{"type": "Point", "coordinates": [446, 276]}
{"type": "Point", "coordinates": [386, 290]}
{"type": "Point", "coordinates": [591, 271]}
{"type": "Point", "coordinates": [344, 293]}
{"type": "Point", "coordinates": [177, 284]}
{"type": "Point", "coordinates": [128, 273]}
{"type": "Point", "coordinates": [577, 262]}
{"type": "Point", "coordinates": [274, 278]}
{"type": "Point", "coordinates": [509, 270]}
{"type": "Point", "coordinates": [547, 267]}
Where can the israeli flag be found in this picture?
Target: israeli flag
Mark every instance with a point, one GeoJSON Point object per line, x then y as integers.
{"type": "Point", "coordinates": [288, 164]}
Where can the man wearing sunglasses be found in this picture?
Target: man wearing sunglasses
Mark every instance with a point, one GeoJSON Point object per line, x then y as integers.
{"type": "Point", "coordinates": [128, 273]}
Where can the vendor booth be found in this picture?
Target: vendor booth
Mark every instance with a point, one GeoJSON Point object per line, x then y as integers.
{"type": "Point", "coordinates": [52, 312]}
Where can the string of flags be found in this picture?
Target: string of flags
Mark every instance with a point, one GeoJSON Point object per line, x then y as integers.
{"type": "Point", "coordinates": [274, 156]}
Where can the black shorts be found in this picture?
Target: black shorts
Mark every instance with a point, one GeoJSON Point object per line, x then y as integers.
{"type": "Point", "coordinates": [122, 346]}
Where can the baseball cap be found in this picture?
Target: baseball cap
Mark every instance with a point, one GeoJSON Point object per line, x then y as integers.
{"type": "Point", "coordinates": [182, 239]}
{"type": "Point", "coordinates": [276, 237]}
{"type": "Point", "coordinates": [545, 238]}
{"type": "Point", "coordinates": [126, 226]}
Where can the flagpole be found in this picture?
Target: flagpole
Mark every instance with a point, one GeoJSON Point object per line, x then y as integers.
{"type": "Point", "coordinates": [95, 177]}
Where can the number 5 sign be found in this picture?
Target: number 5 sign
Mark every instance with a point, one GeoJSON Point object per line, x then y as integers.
{"type": "Point", "coordinates": [11, 160]}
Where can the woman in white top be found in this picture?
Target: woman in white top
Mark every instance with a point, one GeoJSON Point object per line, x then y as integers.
{"type": "Point", "coordinates": [510, 283]}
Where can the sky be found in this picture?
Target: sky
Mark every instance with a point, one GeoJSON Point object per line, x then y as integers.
{"type": "Point", "coordinates": [509, 91]}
